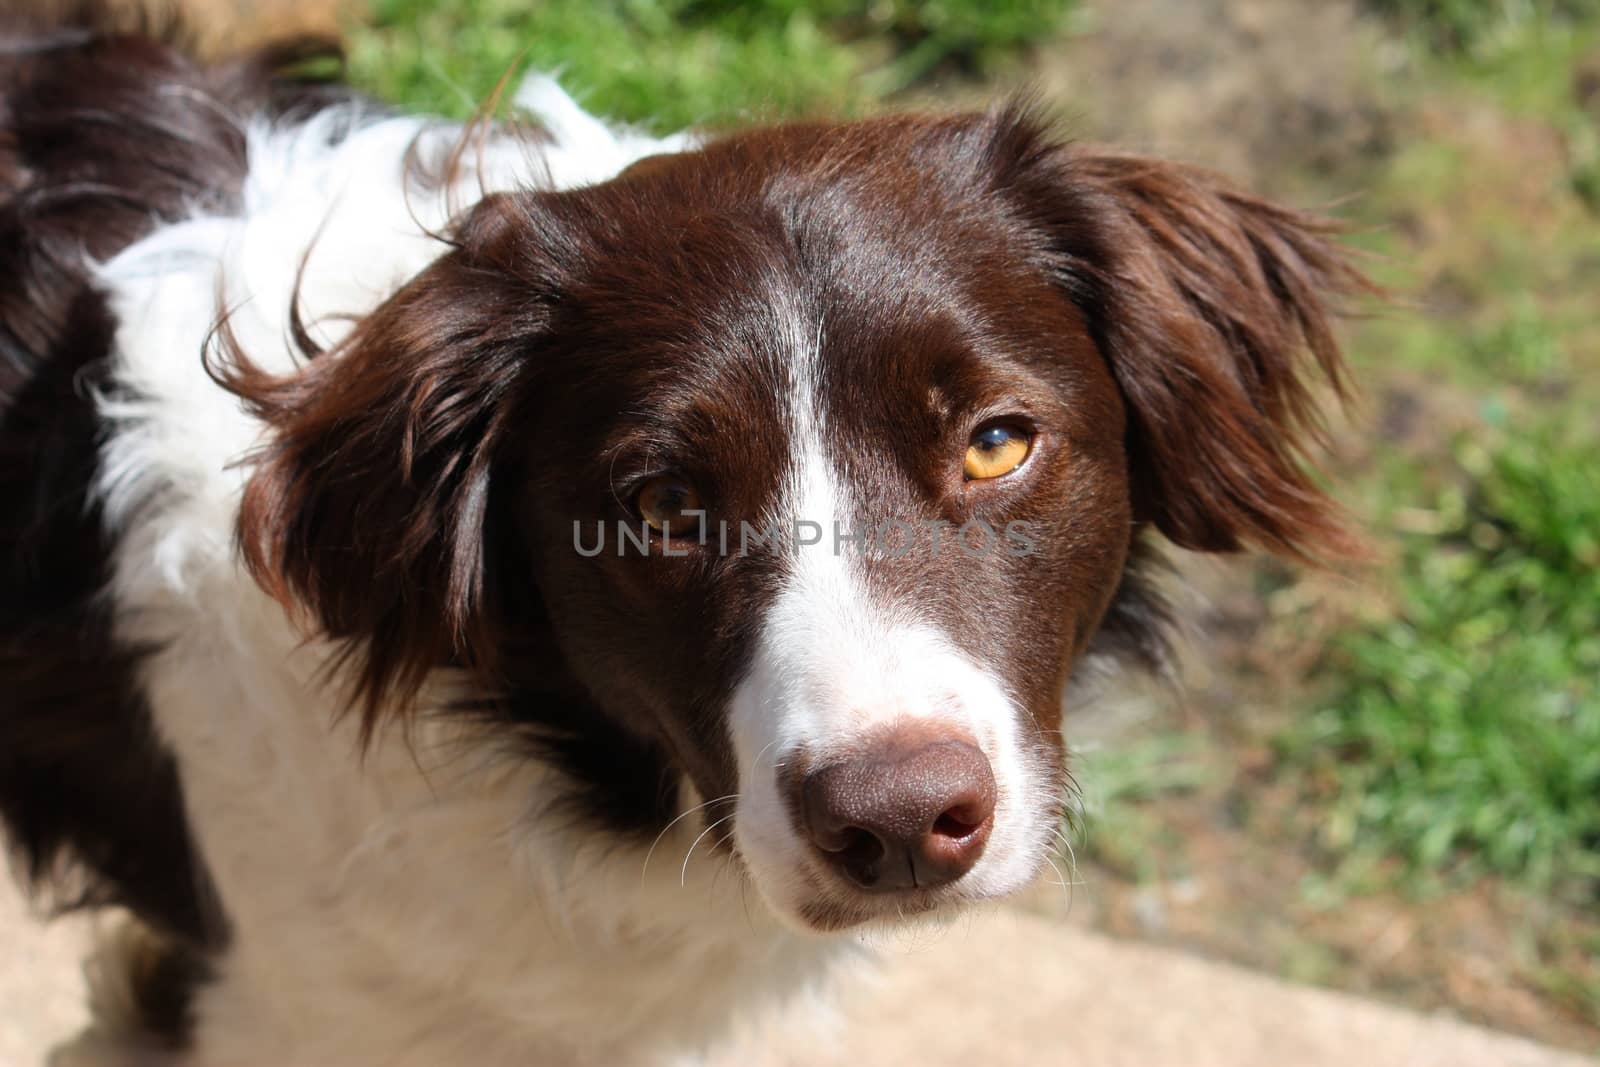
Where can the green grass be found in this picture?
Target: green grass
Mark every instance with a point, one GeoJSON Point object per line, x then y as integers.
{"type": "Point", "coordinates": [1464, 733]}
{"type": "Point", "coordinates": [1114, 783]}
{"type": "Point", "coordinates": [672, 63]}
{"type": "Point", "coordinates": [1469, 26]}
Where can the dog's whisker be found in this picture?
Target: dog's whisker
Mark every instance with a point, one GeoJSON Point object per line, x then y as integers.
{"type": "Point", "coordinates": [754, 763]}
{"type": "Point", "coordinates": [683, 875]}
{"type": "Point", "coordinates": [1061, 880]}
{"type": "Point", "coordinates": [1071, 854]}
{"type": "Point", "coordinates": [645, 867]}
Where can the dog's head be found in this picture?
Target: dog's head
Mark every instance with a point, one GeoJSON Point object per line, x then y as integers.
{"type": "Point", "coordinates": [812, 460]}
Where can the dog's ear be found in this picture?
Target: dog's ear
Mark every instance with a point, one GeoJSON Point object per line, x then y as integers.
{"type": "Point", "coordinates": [367, 506]}
{"type": "Point", "coordinates": [1214, 309]}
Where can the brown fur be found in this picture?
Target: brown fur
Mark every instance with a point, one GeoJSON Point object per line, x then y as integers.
{"type": "Point", "coordinates": [1161, 327]}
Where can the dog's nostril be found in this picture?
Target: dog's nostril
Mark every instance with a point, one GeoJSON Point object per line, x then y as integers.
{"type": "Point", "coordinates": [957, 822]}
{"type": "Point", "coordinates": [855, 840]}
{"type": "Point", "coordinates": [862, 857]}
{"type": "Point", "coordinates": [913, 810]}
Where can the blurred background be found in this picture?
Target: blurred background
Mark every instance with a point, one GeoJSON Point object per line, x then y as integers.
{"type": "Point", "coordinates": [1384, 779]}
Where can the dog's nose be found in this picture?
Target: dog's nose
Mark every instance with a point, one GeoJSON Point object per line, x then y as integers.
{"type": "Point", "coordinates": [913, 811]}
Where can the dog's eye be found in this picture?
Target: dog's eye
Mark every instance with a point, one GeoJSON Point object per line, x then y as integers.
{"type": "Point", "coordinates": [669, 505]}
{"type": "Point", "coordinates": [996, 451]}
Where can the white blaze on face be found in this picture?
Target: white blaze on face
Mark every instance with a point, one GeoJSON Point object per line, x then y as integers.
{"type": "Point", "coordinates": [833, 666]}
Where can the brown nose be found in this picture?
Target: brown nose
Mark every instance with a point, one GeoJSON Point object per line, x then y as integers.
{"type": "Point", "coordinates": [914, 811]}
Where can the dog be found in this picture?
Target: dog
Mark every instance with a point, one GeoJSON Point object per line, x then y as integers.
{"type": "Point", "coordinates": [533, 592]}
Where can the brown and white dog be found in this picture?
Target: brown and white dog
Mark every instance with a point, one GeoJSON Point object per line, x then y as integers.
{"type": "Point", "coordinates": [534, 593]}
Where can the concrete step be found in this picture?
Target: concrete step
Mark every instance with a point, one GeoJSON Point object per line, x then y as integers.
{"type": "Point", "coordinates": [1010, 989]}
{"type": "Point", "coordinates": [994, 990]}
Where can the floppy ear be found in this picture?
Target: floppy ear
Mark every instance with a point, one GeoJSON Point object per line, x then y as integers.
{"type": "Point", "coordinates": [1214, 309]}
{"type": "Point", "coordinates": [368, 506]}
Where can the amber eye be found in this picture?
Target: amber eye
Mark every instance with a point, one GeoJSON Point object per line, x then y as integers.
{"type": "Point", "coordinates": [995, 451]}
{"type": "Point", "coordinates": [669, 505]}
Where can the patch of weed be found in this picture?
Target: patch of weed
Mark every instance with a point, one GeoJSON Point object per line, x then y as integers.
{"type": "Point", "coordinates": [1466, 26]}
{"type": "Point", "coordinates": [1463, 735]}
{"type": "Point", "coordinates": [1113, 782]}
{"type": "Point", "coordinates": [675, 63]}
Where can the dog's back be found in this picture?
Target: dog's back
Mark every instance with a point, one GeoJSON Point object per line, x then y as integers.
{"type": "Point", "coordinates": [102, 138]}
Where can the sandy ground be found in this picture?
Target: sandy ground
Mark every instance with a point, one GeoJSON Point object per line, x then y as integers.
{"type": "Point", "coordinates": [41, 987]}
{"type": "Point", "coordinates": [1004, 989]}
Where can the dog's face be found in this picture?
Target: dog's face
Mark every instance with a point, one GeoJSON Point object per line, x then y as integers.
{"type": "Point", "coordinates": [814, 457]}
{"type": "Point", "coordinates": [871, 372]}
